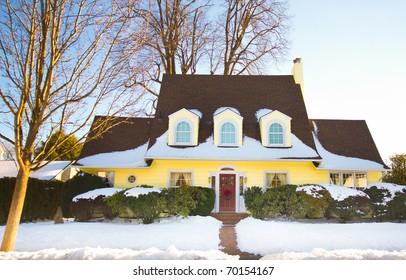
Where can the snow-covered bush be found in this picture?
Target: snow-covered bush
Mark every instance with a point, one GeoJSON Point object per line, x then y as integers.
{"type": "Point", "coordinates": [179, 201]}
{"type": "Point", "coordinates": [92, 208]}
{"type": "Point", "coordinates": [256, 203]}
{"type": "Point", "coordinates": [316, 201]}
{"type": "Point", "coordinates": [146, 207]}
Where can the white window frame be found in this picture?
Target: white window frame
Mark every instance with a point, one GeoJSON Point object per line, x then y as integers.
{"type": "Point", "coordinates": [192, 175]}
{"type": "Point", "coordinates": [283, 133]}
{"type": "Point", "coordinates": [275, 172]}
{"type": "Point", "coordinates": [175, 128]}
{"type": "Point", "coordinates": [354, 177]}
{"type": "Point", "coordinates": [107, 176]}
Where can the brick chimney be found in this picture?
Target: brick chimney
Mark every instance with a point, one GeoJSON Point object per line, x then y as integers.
{"type": "Point", "coordinates": [297, 72]}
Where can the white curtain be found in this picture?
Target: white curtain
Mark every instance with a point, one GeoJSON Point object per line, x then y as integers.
{"type": "Point", "coordinates": [188, 178]}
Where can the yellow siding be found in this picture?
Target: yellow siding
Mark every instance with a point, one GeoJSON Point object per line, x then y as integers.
{"type": "Point", "coordinates": [158, 173]}
{"type": "Point", "coordinates": [374, 176]}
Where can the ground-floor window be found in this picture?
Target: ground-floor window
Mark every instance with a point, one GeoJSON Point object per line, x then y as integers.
{"type": "Point", "coordinates": [108, 176]}
{"type": "Point", "coordinates": [349, 179]}
{"type": "Point", "coordinates": [180, 179]}
{"type": "Point", "coordinates": [276, 179]}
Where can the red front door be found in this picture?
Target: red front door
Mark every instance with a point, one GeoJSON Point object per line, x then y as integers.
{"type": "Point", "coordinates": [227, 192]}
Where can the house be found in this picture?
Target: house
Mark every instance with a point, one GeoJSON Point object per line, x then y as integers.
{"type": "Point", "coordinates": [230, 133]}
{"type": "Point", "coordinates": [55, 170]}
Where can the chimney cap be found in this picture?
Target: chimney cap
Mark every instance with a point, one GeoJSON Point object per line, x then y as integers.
{"type": "Point", "coordinates": [297, 60]}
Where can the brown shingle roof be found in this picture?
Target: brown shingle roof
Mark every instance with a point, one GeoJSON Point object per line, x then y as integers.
{"type": "Point", "coordinates": [247, 94]}
{"type": "Point", "coordinates": [350, 138]}
{"type": "Point", "coordinates": [124, 134]}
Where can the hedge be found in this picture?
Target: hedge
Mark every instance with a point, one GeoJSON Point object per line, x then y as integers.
{"type": "Point", "coordinates": [41, 202]}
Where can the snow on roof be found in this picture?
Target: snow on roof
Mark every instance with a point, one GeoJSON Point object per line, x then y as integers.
{"type": "Point", "coordinates": [8, 168]}
{"type": "Point", "coordinates": [222, 109]}
{"type": "Point", "coordinates": [135, 192]}
{"type": "Point", "coordinates": [340, 193]}
{"type": "Point", "coordinates": [196, 112]}
{"type": "Point", "coordinates": [262, 112]}
{"type": "Point", "coordinates": [332, 161]}
{"type": "Point", "coordinates": [250, 150]}
{"type": "Point", "coordinates": [125, 159]}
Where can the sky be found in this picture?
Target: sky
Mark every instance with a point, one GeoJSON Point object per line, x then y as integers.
{"type": "Point", "coordinates": [354, 63]}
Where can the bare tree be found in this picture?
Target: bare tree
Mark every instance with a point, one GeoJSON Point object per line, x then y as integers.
{"type": "Point", "coordinates": [61, 62]}
{"type": "Point", "coordinates": [254, 33]}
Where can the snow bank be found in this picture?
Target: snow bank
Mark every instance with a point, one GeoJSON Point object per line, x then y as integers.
{"type": "Point", "coordinates": [348, 254]}
{"type": "Point", "coordinates": [272, 237]}
{"type": "Point", "coordinates": [193, 233]}
{"type": "Point", "coordinates": [106, 192]}
{"type": "Point", "coordinates": [250, 150]}
{"type": "Point", "coordinates": [88, 253]}
{"type": "Point", "coordinates": [130, 159]}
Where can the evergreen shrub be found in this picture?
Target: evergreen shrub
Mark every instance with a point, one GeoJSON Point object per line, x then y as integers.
{"type": "Point", "coordinates": [205, 199]}
{"type": "Point", "coordinates": [378, 197]}
{"type": "Point", "coordinates": [87, 209]}
{"type": "Point", "coordinates": [397, 207]}
{"type": "Point", "coordinates": [352, 207]}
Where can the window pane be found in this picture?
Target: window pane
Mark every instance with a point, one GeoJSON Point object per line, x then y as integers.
{"type": "Point", "coordinates": [181, 179]}
{"type": "Point", "coordinates": [361, 180]}
{"type": "Point", "coordinates": [183, 133]}
{"type": "Point", "coordinates": [276, 179]}
{"type": "Point", "coordinates": [228, 134]}
{"type": "Point", "coordinates": [335, 179]}
{"type": "Point", "coordinates": [348, 180]}
{"type": "Point", "coordinates": [275, 134]}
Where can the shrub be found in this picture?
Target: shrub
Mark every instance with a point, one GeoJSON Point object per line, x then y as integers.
{"type": "Point", "coordinates": [397, 207]}
{"type": "Point", "coordinates": [87, 209]}
{"type": "Point", "coordinates": [146, 207]}
{"type": "Point", "coordinates": [41, 202]}
{"type": "Point", "coordinates": [378, 197]}
{"type": "Point", "coordinates": [116, 203]}
{"type": "Point", "coordinates": [352, 207]}
{"type": "Point", "coordinates": [205, 198]}
{"type": "Point", "coordinates": [80, 183]}
{"type": "Point", "coordinates": [256, 202]}
{"type": "Point", "coordinates": [179, 201]}
{"type": "Point", "coordinates": [316, 204]}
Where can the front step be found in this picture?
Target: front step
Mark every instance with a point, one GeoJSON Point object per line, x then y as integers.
{"type": "Point", "coordinates": [229, 218]}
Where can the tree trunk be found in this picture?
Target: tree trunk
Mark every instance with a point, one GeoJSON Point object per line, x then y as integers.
{"type": "Point", "coordinates": [16, 210]}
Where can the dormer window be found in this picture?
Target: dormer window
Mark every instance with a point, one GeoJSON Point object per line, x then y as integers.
{"type": "Point", "coordinates": [227, 127]}
{"type": "Point", "coordinates": [228, 134]}
{"type": "Point", "coordinates": [275, 134]}
{"type": "Point", "coordinates": [183, 133]}
{"type": "Point", "coordinates": [275, 128]}
{"type": "Point", "coordinates": [183, 128]}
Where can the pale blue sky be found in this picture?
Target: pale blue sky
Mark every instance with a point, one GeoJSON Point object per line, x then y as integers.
{"type": "Point", "coordinates": [354, 61]}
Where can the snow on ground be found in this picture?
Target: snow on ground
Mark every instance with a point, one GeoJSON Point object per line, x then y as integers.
{"type": "Point", "coordinates": [279, 238]}
{"type": "Point", "coordinates": [171, 238]}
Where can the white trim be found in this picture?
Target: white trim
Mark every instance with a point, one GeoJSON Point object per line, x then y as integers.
{"type": "Point", "coordinates": [354, 172]}
{"type": "Point", "coordinates": [168, 185]}
{"type": "Point", "coordinates": [238, 159]}
{"type": "Point", "coordinates": [287, 172]}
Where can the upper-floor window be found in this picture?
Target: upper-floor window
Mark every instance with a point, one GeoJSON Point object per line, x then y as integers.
{"type": "Point", "coordinates": [276, 134]}
{"type": "Point", "coordinates": [228, 133]}
{"type": "Point", "coordinates": [183, 133]}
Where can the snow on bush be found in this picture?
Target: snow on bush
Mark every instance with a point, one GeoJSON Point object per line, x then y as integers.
{"type": "Point", "coordinates": [135, 192]}
{"type": "Point", "coordinates": [392, 189]}
{"type": "Point", "coordinates": [312, 190]}
{"type": "Point", "coordinates": [106, 192]}
{"type": "Point", "coordinates": [339, 193]}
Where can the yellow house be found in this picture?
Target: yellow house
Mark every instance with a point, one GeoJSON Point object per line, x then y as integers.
{"type": "Point", "coordinates": [230, 133]}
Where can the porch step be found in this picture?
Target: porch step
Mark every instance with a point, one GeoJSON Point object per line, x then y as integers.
{"type": "Point", "coordinates": [229, 218]}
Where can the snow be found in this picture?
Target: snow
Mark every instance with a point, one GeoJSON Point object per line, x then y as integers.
{"type": "Point", "coordinates": [196, 112]}
{"type": "Point", "coordinates": [311, 190]}
{"type": "Point", "coordinates": [336, 162]}
{"type": "Point", "coordinates": [172, 238]}
{"type": "Point", "coordinates": [262, 112]}
{"type": "Point", "coordinates": [250, 150]}
{"type": "Point", "coordinates": [125, 159]}
{"type": "Point", "coordinates": [135, 192]}
{"type": "Point", "coordinates": [222, 109]}
{"type": "Point", "coordinates": [106, 192]}
{"type": "Point", "coordinates": [392, 188]}
{"type": "Point", "coordinates": [340, 193]}
{"type": "Point", "coordinates": [9, 168]}
{"type": "Point", "coordinates": [279, 238]}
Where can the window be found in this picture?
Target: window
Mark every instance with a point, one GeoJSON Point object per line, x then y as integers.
{"type": "Point", "coordinates": [227, 133]}
{"type": "Point", "coordinates": [180, 179]}
{"type": "Point", "coordinates": [108, 177]}
{"type": "Point", "coordinates": [335, 179]}
{"type": "Point", "coordinates": [275, 134]}
{"type": "Point", "coordinates": [183, 132]}
{"type": "Point", "coordinates": [349, 179]}
{"type": "Point", "coordinates": [131, 179]}
{"type": "Point", "coordinates": [276, 179]}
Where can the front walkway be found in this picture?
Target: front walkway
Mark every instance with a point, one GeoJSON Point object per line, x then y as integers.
{"type": "Point", "coordinates": [228, 236]}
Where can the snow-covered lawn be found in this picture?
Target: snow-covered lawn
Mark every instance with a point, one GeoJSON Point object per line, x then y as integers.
{"type": "Point", "coordinates": [294, 240]}
{"type": "Point", "coordinates": [173, 238]}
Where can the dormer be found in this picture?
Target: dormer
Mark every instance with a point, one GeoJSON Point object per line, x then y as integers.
{"type": "Point", "coordinates": [227, 127]}
{"type": "Point", "coordinates": [275, 128]}
{"type": "Point", "coordinates": [183, 128]}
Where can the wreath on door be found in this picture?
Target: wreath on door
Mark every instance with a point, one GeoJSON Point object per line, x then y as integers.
{"type": "Point", "coordinates": [227, 194]}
